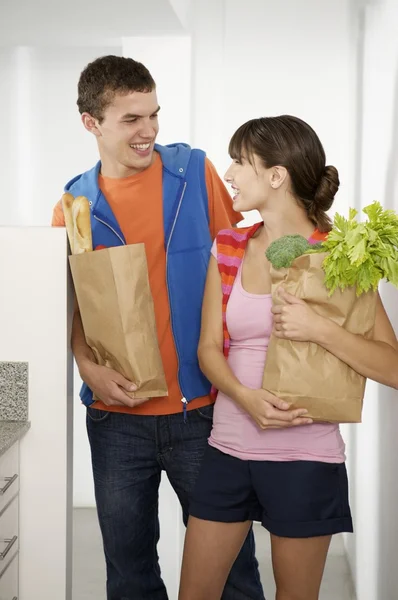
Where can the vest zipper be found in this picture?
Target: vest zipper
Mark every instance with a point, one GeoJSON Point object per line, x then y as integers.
{"type": "Point", "coordinates": [183, 400]}
{"type": "Point", "coordinates": [111, 228]}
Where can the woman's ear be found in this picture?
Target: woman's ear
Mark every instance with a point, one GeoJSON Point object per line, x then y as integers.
{"type": "Point", "coordinates": [278, 176]}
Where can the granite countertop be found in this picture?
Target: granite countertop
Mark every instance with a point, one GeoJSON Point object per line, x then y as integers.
{"type": "Point", "coordinates": [13, 403]}
{"type": "Point", "coordinates": [11, 432]}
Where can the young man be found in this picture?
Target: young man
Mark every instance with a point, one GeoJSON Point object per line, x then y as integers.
{"type": "Point", "coordinates": [171, 199]}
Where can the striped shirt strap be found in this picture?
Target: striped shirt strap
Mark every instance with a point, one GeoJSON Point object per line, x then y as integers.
{"type": "Point", "coordinates": [231, 245]}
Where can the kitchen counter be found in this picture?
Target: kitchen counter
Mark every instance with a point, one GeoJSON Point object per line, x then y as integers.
{"type": "Point", "coordinates": [11, 432]}
{"type": "Point", "coordinates": [13, 403]}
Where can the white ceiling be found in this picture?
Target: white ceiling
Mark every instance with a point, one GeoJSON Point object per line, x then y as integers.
{"type": "Point", "coordinates": [83, 22]}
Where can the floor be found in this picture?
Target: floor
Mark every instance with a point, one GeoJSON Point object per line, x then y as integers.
{"type": "Point", "coordinates": [89, 569]}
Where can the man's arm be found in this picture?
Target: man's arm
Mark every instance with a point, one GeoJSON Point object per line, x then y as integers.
{"type": "Point", "coordinates": [58, 219]}
{"type": "Point", "coordinates": [81, 350]}
{"type": "Point", "coordinates": [108, 385]}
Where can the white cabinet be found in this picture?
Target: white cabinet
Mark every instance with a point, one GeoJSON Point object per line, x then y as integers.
{"type": "Point", "coordinates": [9, 476]}
{"type": "Point", "coordinates": [9, 523]}
{"type": "Point", "coordinates": [35, 319]}
{"type": "Point", "coordinates": [9, 581]}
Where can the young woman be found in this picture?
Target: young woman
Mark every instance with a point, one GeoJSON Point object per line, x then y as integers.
{"type": "Point", "coordinates": [292, 479]}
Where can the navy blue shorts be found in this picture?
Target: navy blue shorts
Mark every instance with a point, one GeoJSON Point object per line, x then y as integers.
{"type": "Point", "coordinates": [296, 499]}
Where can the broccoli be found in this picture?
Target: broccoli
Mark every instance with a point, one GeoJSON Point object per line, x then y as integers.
{"type": "Point", "coordinates": [283, 251]}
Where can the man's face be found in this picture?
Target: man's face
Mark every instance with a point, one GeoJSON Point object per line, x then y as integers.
{"type": "Point", "coordinates": [126, 136]}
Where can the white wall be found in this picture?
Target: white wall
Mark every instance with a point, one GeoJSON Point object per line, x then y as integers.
{"type": "Point", "coordinates": [264, 58]}
{"type": "Point", "coordinates": [88, 23]}
{"type": "Point", "coordinates": [45, 142]}
{"type": "Point", "coordinates": [169, 61]}
{"type": "Point", "coordinates": [183, 10]}
{"type": "Point", "coordinates": [373, 445]}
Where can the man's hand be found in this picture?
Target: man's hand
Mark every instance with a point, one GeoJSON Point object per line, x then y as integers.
{"type": "Point", "coordinates": [270, 412]}
{"type": "Point", "coordinates": [108, 385]}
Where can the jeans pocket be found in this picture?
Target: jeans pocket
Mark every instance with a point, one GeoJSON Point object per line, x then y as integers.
{"type": "Point", "coordinates": [96, 415]}
{"type": "Point", "coordinates": [206, 412]}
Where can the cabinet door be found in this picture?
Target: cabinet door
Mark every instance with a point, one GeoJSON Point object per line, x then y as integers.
{"type": "Point", "coordinates": [9, 475]}
{"type": "Point", "coordinates": [9, 581]}
{"type": "Point", "coordinates": [9, 540]}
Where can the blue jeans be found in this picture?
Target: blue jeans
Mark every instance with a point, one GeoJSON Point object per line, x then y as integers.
{"type": "Point", "coordinates": [129, 452]}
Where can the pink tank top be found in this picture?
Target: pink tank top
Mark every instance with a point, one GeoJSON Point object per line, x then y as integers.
{"type": "Point", "coordinates": [249, 320]}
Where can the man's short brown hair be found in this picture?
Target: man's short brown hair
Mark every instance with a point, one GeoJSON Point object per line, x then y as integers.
{"type": "Point", "coordinates": [107, 76]}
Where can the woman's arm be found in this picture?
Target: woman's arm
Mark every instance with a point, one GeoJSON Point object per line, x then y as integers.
{"type": "Point", "coordinates": [265, 408]}
{"type": "Point", "coordinates": [375, 358]}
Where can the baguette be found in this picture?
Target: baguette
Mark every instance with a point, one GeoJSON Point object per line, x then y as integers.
{"type": "Point", "coordinates": [67, 202]}
{"type": "Point", "coordinates": [82, 240]}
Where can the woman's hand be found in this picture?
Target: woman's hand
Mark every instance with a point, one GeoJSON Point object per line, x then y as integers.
{"type": "Point", "coordinates": [270, 412]}
{"type": "Point", "coordinates": [295, 320]}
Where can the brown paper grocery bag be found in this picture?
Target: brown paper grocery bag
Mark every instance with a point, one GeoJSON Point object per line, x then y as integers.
{"type": "Point", "coordinates": [305, 374]}
{"type": "Point", "coordinates": [117, 311]}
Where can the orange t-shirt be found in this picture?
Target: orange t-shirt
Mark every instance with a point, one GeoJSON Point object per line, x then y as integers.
{"type": "Point", "coordinates": [137, 204]}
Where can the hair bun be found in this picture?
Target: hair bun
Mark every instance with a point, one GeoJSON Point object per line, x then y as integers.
{"type": "Point", "coordinates": [327, 188]}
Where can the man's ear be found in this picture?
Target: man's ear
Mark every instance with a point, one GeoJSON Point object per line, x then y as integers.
{"type": "Point", "coordinates": [91, 124]}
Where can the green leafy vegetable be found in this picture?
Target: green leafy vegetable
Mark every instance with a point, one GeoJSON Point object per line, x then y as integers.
{"type": "Point", "coordinates": [357, 253]}
{"type": "Point", "coordinates": [362, 253]}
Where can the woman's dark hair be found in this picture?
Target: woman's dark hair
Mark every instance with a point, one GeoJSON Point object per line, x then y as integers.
{"type": "Point", "coordinates": [291, 143]}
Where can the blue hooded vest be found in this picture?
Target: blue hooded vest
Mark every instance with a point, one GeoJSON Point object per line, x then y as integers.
{"type": "Point", "coordinates": [187, 242]}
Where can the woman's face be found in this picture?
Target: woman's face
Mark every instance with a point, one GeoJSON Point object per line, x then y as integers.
{"type": "Point", "coordinates": [250, 184]}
